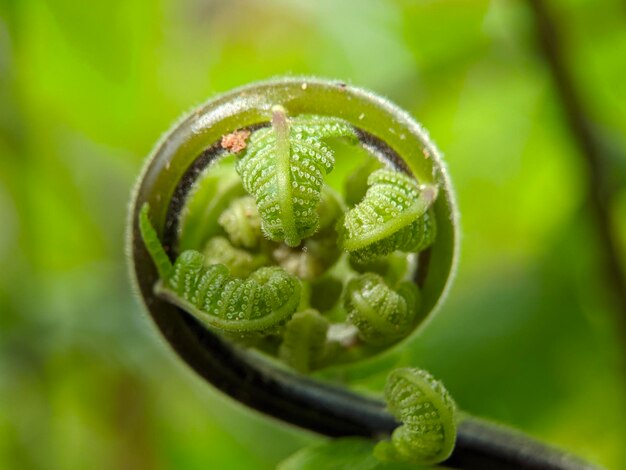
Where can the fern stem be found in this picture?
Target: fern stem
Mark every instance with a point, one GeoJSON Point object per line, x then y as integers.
{"type": "Point", "coordinates": [336, 412]}
{"type": "Point", "coordinates": [153, 244]}
{"type": "Point", "coordinates": [283, 153]}
{"type": "Point", "coordinates": [484, 445]}
{"type": "Point", "coordinates": [247, 377]}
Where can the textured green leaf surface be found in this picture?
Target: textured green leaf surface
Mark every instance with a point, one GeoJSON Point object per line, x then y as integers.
{"type": "Point", "coordinates": [258, 303]}
{"type": "Point", "coordinates": [304, 340]}
{"type": "Point", "coordinates": [428, 415]}
{"type": "Point", "coordinates": [393, 215]}
{"type": "Point", "coordinates": [284, 168]}
{"type": "Point", "coordinates": [262, 301]}
{"type": "Point", "coordinates": [381, 314]}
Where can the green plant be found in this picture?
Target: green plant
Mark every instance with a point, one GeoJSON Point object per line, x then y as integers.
{"type": "Point", "coordinates": [428, 414]}
{"type": "Point", "coordinates": [394, 215]}
{"type": "Point", "coordinates": [389, 243]}
{"type": "Point", "coordinates": [284, 167]}
{"type": "Point", "coordinates": [262, 250]}
{"type": "Point", "coordinates": [230, 304]}
{"type": "Point", "coordinates": [381, 314]}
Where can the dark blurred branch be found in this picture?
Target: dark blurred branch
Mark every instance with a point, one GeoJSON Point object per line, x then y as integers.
{"type": "Point", "coordinates": [482, 445]}
{"type": "Point", "coordinates": [594, 151]}
{"type": "Point", "coordinates": [337, 412]}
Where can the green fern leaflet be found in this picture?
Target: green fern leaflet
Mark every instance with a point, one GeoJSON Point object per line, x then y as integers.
{"type": "Point", "coordinates": [393, 215]}
{"type": "Point", "coordinates": [256, 304]}
{"type": "Point", "coordinates": [284, 167]}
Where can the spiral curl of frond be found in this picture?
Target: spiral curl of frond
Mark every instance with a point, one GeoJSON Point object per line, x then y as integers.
{"type": "Point", "coordinates": [393, 215]}
{"type": "Point", "coordinates": [304, 340]}
{"type": "Point", "coordinates": [242, 222]}
{"type": "Point", "coordinates": [381, 314]}
{"type": "Point", "coordinates": [427, 412]}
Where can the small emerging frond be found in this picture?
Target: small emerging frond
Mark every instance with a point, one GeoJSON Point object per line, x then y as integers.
{"type": "Point", "coordinates": [153, 244]}
{"type": "Point", "coordinates": [218, 250]}
{"type": "Point", "coordinates": [242, 222]}
{"type": "Point", "coordinates": [304, 340]}
{"type": "Point", "coordinates": [393, 215]}
{"type": "Point", "coordinates": [381, 314]}
{"type": "Point", "coordinates": [428, 415]}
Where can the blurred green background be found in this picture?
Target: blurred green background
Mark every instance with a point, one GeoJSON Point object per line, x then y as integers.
{"type": "Point", "coordinates": [528, 336]}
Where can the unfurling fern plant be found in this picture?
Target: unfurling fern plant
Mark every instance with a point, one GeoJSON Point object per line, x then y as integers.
{"type": "Point", "coordinates": [290, 230]}
{"type": "Point", "coordinates": [254, 261]}
{"type": "Point", "coordinates": [428, 416]}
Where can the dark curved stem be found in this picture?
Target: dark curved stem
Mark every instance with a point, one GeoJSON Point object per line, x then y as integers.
{"type": "Point", "coordinates": [480, 445]}
{"type": "Point", "coordinates": [336, 412]}
{"type": "Point", "coordinates": [484, 445]}
{"type": "Point", "coordinates": [252, 380]}
{"type": "Point", "coordinates": [263, 386]}
{"type": "Point", "coordinates": [592, 148]}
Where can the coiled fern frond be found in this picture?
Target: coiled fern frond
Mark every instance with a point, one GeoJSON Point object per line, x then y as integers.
{"type": "Point", "coordinates": [428, 416]}
{"type": "Point", "coordinates": [304, 340]}
{"type": "Point", "coordinates": [393, 215]}
{"type": "Point", "coordinates": [242, 222]}
{"type": "Point", "coordinates": [261, 302]}
{"type": "Point", "coordinates": [381, 314]}
{"type": "Point", "coordinates": [284, 167]}
{"type": "Point", "coordinates": [240, 263]}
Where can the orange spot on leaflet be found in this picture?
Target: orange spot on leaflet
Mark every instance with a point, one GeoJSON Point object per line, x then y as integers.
{"type": "Point", "coordinates": [235, 142]}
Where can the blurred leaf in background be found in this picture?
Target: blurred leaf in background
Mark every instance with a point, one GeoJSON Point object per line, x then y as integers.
{"type": "Point", "coordinates": [341, 454]}
{"type": "Point", "coordinates": [528, 334]}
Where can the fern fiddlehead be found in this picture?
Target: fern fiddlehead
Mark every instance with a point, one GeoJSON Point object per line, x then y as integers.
{"type": "Point", "coordinates": [393, 215]}
{"type": "Point", "coordinates": [242, 222]}
{"type": "Point", "coordinates": [284, 166]}
{"type": "Point", "coordinates": [428, 415]}
{"type": "Point", "coordinates": [381, 314]}
{"type": "Point", "coordinates": [290, 217]}
{"type": "Point", "coordinates": [398, 141]}
{"type": "Point", "coordinates": [304, 340]}
{"type": "Point", "coordinates": [240, 263]}
{"type": "Point", "coordinates": [267, 298]}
